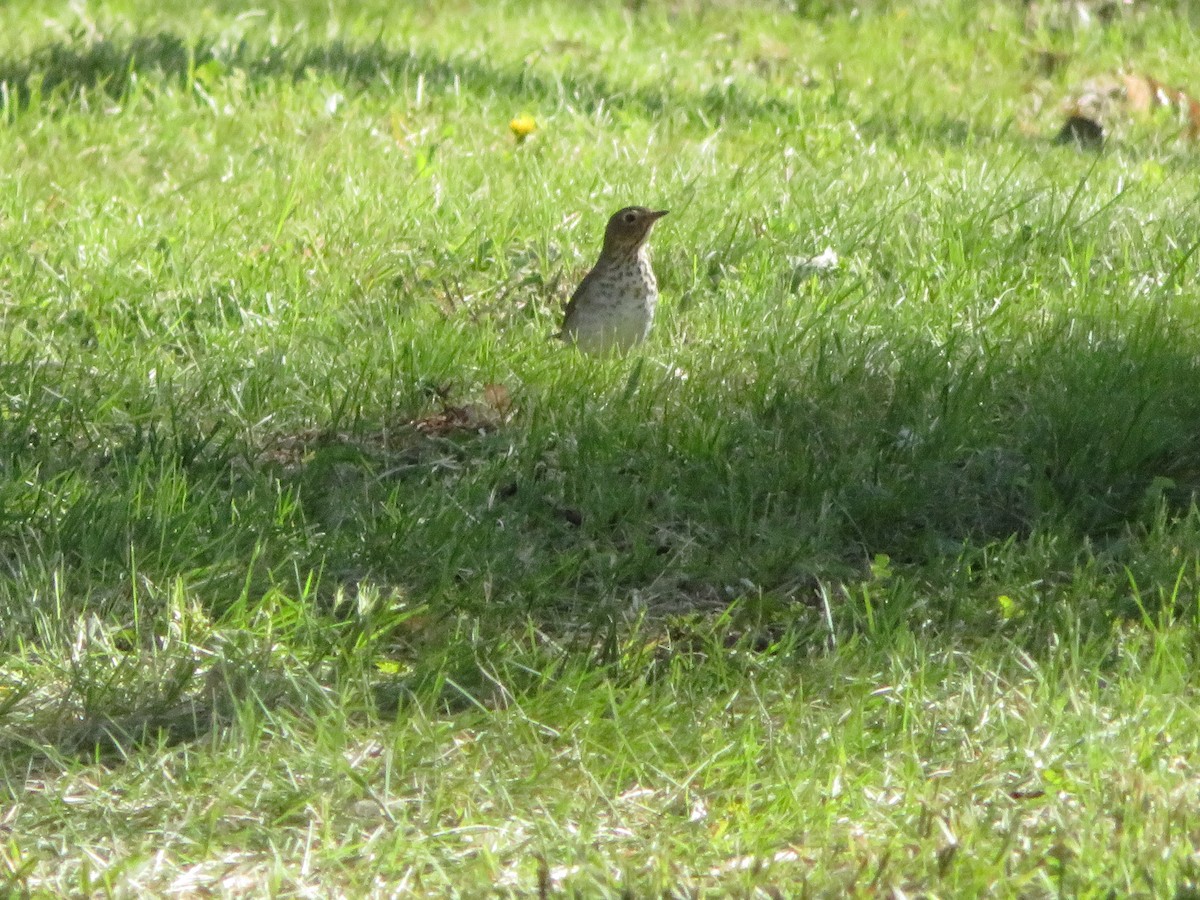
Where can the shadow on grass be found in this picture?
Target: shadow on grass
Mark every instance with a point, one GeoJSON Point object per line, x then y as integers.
{"type": "Point", "coordinates": [806, 475]}
{"type": "Point", "coordinates": [800, 484]}
{"type": "Point", "coordinates": [67, 71]}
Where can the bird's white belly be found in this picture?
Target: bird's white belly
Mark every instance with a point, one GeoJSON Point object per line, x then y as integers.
{"type": "Point", "coordinates": [618, 321]}
{"type": "Point", "coordinates": [617, 308]}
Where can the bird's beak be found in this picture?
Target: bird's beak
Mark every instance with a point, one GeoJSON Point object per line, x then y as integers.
{"type": "Point", "coordinates": [656, 214]}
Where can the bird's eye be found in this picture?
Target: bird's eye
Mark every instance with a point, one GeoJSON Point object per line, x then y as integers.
{"type": "Point", "coordinates": [630, 217]}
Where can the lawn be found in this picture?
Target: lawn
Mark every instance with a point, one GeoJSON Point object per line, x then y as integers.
{"type": "Point", "coordinates": [325, 572]}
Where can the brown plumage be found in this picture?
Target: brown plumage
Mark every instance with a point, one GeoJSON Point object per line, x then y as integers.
{"type": "Point", "coordinates": [614, 304]}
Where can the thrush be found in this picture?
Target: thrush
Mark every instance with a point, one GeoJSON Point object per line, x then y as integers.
{"type": "Point", "coordinates": [614, 304]}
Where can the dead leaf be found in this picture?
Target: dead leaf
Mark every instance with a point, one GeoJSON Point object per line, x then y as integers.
{"type": "Point", "coordinates": [450, 420]}
{"type": "Point", "coordinates": [1099, 102]}
{"type": "Point", "coordinates": [1145, 94]}
{"type": "Point", "coordinates": [1032, 794]}
{"type": "Point", "coordinates": [498, 398]}
{"type": "Point", "coordinates": [1140, 93]}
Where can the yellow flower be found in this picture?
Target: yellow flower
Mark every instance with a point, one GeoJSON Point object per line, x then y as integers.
{"type": "Point", "coordinates": [522, 127]}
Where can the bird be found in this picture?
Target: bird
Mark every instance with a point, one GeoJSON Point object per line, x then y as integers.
{"type": "Point", "coordinates": [613, 307]}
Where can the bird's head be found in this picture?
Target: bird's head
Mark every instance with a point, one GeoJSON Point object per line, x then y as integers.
{"type": "Point", "coordinates": [628, 228]}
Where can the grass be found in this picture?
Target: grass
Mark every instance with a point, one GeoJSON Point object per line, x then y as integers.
{"type": "Point", "coordinates": [325, 572]}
